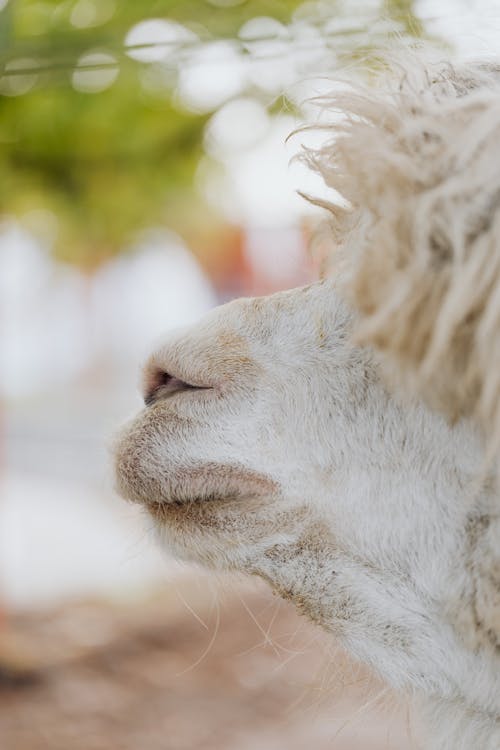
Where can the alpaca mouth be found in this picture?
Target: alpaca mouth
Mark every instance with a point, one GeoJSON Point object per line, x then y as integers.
{"type": "Point", "coordinates": [205, 485]}
{"type": "Point", "coordinates": [185, 508]}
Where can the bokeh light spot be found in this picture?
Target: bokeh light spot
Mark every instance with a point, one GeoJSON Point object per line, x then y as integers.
{"type": "Point", "coordinates": [87, 13]}
{"type": "Point", "coordinates": [238, 125]}
{"type": "Point", "coordinates": [15, 82]}
{"type": "Point", "coordinates": [262, 27]}
{"type": "Point", "coordinates": [159, 37]}
{"type": "Point", "coordinates": [214, 74]}
{"type": "Point", "coordinates": [96, 71]}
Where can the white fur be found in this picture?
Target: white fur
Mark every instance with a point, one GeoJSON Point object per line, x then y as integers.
{"type": "Point", "coordinates": [415, 159]}
{"type": "Point", "coordinates": [298, 466]}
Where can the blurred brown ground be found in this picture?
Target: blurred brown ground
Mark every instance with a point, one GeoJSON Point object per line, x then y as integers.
{"type": "Point", "coordinates": [199, 666]}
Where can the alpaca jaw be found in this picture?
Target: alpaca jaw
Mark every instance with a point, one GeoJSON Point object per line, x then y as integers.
{"type": "Point", "coordinates": [296, 465]}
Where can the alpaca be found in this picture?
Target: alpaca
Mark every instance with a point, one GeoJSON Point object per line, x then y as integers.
{"type": "Point", "coordinates": [270, 445]}
{"type": "Point", "coordinates": [274, 444]}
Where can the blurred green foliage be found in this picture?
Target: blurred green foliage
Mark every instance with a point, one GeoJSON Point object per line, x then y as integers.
{"type": "Point", "coordinates": [109, 163]}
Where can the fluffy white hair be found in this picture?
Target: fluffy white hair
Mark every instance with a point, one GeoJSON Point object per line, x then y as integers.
{"type": "Point", "coordinates": [417, 158]}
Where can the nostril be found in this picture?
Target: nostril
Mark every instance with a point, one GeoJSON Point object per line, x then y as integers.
{"type": "Point", "coordinates": [164, 378]}
{"type": "Point", "coordinates": [155, 381]}
{"type": "Point", "coordinates": [160, 384]}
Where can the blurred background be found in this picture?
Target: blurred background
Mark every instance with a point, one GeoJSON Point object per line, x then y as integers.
{"type": "Point", "coordinates": [146, 176]}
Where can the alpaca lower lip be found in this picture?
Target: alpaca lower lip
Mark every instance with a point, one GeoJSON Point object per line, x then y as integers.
{"type": "Point", "coordinates": [190, 509]}
{"type": "Point", "coordinates": [202, 484]}
{"type": "Point", "coordinates": [178, 502]}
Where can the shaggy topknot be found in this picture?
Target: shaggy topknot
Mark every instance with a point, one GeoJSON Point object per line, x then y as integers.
{"type": "Point", "coordinates": [418, 160]}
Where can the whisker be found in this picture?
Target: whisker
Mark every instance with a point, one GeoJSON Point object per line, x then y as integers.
{"type": "Point", "coordinates": [190, 609]}
{"type": "Point", "coordinates": [208, 648]}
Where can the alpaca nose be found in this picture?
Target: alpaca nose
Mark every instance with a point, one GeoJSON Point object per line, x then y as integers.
{"type": "Point", "coordinates": [160, 384]}
{"type": "Point", "coordinates": [209, 355]}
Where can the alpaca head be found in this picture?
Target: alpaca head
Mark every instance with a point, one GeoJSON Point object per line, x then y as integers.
{"type": "Point", "coordinates": [246, 418]}
{"type": "Point", "coordinates": [268, 445]}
